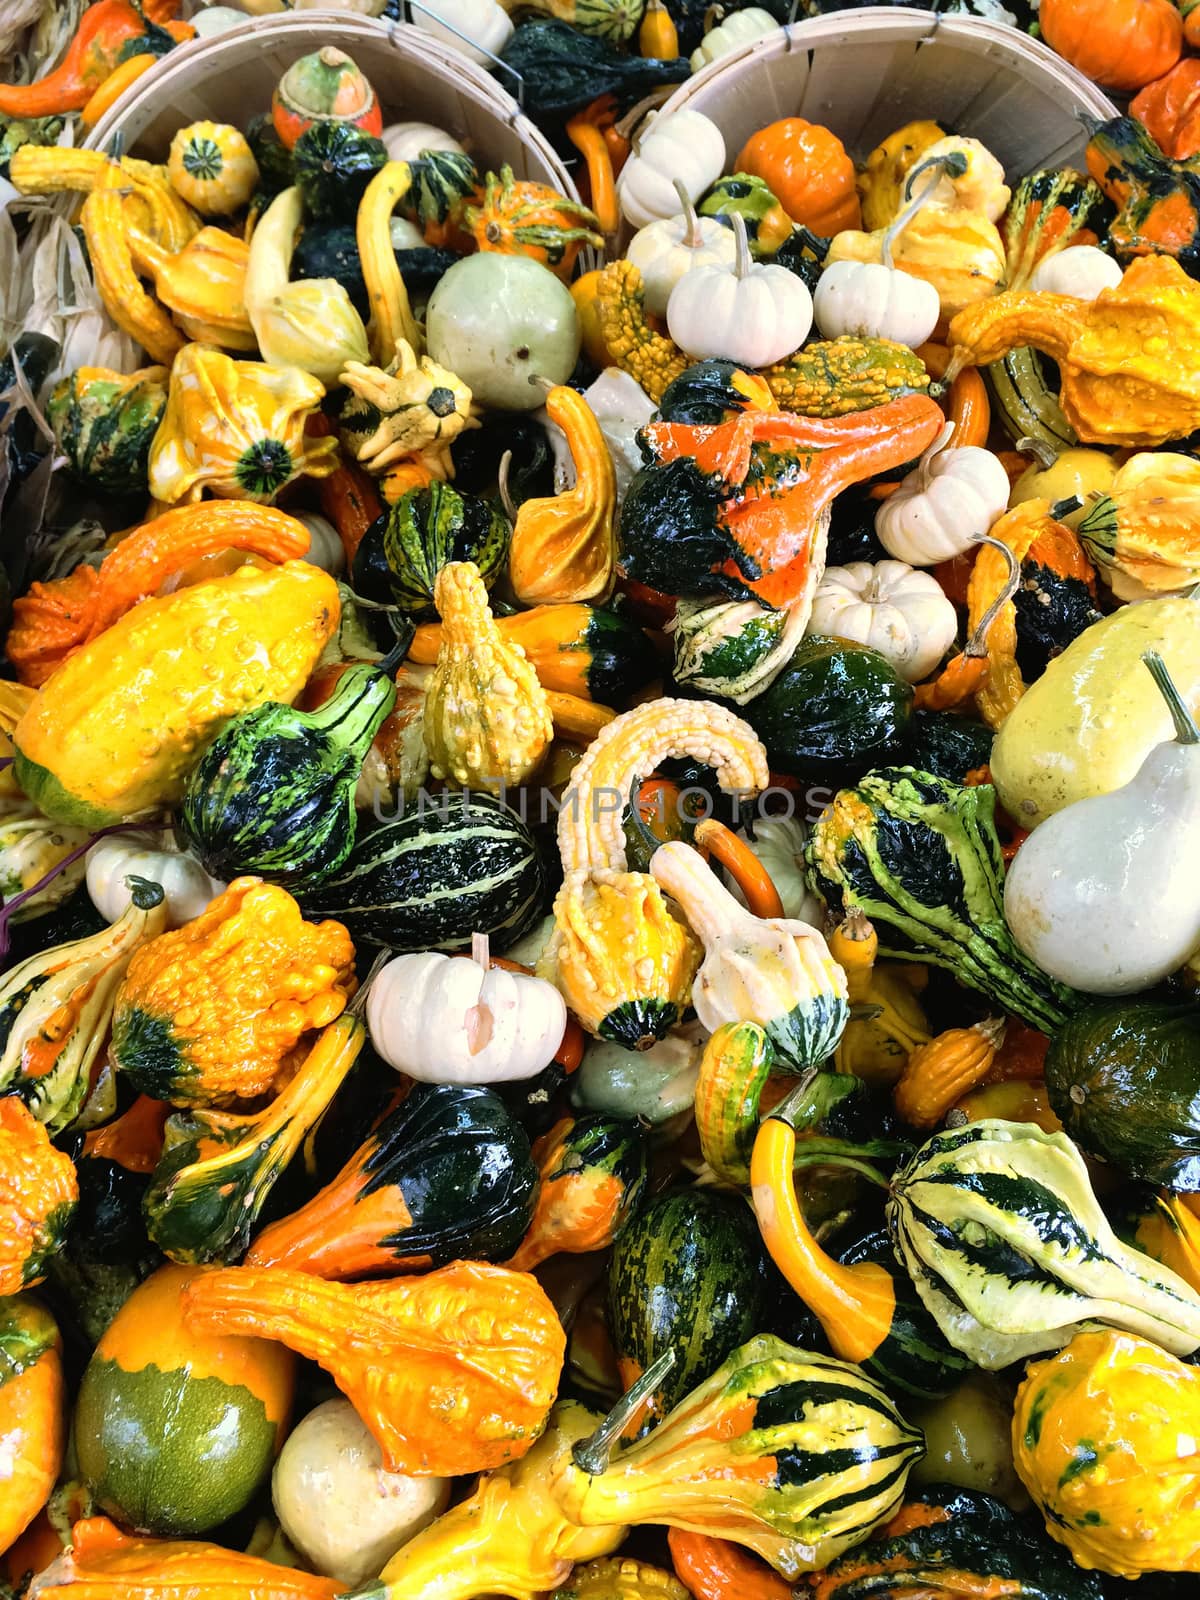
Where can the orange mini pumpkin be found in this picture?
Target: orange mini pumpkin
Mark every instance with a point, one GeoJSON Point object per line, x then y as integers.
{"type": "Point", "coordinates": [1119, 44]}
{"type": "Point", "coordinates": [807, 169]}
{"type": "Point", "coordinates": [1169, 109]}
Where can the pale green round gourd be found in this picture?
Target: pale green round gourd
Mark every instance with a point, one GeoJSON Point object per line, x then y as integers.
{"type": "Point", "coordinates": [500, 321]}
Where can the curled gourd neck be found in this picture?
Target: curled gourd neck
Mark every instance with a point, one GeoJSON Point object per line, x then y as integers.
{"type": "Point", "coordinates": [1043, 453]}
{"type": "Point", "coordinates": [743, 866]}
{"type": "Point", "coordinates": [709, 907]}
{"type": "Point", "coordinates": [925, 465]}
{"type": "Point", "coordinates": [592, 1455]}
{"type": "Point", "coordinates": [1186, 731]}
{"type": "Point", "coordinates": [952, 165]}
{"type": "Point", "coordinates": [854, 1305]}
{"type": "Point", "coordinates": [977, 646]}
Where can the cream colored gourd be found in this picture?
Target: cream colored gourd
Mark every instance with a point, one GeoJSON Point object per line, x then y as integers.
{"type": "Point", "coordinates": [749, 314]}
{"type": "Point", "coordinates": [685, 147]}
{"type": "Point", "coordinates": [325, 548]}
{"type": "Point", "coordinates": [776, 972]}
{"type": "Point", "coordinates": [310, 324]}
{"type": "Point", "coordinates": [945, 505]}
{"type": "Point", "coordinates": [1103, 895]}
{"type": "Point", "coordinates": [338, 1506]}
{"type": "Point", "coordinates": [1087, 724]}
{"type": "Point", "coordinates": [146, 853]}
{"type": "Point", "coordinates": [1082, 271]}
{"type": "Point", "coordinates": [893, 608]}
{"type": "Point", "coordinates": [779, 842]}
{"type": "Point", "coordinates": [405, 141]}
{"type": "Point", "coordinates": [479, 29]}
{"type": "Point", "coordinates": [742, 27]}
{"type": "Point", "coordinates": [454, 1019]}
{"type": "Point", "coordinates": [976, 182]}
{"type": "Point", "coordinates": [665, 250]}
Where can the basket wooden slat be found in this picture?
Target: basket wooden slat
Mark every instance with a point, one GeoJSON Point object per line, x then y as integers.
{"type": "Point", "coordinates": [230, 78]}
{"type": "Point", "coordinates": [865, 73]}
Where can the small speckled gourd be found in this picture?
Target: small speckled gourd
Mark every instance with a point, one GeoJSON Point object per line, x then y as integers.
{"type": "Point", "coordinates": [487, 719]}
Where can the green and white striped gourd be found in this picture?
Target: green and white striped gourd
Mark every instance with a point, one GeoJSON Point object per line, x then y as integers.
{"type": "Point", "coordinates": [1006, 1243]}
{"type": "Point", "coordinates": [734, 648]}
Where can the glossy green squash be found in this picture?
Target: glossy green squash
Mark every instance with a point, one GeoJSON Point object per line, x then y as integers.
{"type": "Point", "coordinates": [441, 181]}
{"type": "Point", "coordinates": [273, 795]}
{"type": "Point", "coordinates": [947, 744]}
{"type": "Point", "coordinates": [1124, 1078]}
{"type": "Point", "coordinates": [687, 1274]}
{"type": "Point", "coordinates": [403, 551]}
{"type": "Point", "coordinates": [453, 865]}
{"type": "Point", "coordinates": [562, 70]}
{"type": "Point", "coordinates": [333, 163]}
{"type": "Point", "coordinates": [446, 1176]}
{"type": "Point", "coordinates": [272, 155]}
{"type": "Point", "coordinates": [836, 710]}
{"type": "Point", "coordinates": [751, 198]}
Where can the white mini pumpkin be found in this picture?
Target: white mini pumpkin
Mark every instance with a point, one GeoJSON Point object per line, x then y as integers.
{"type": "Point", "coordinates": [325, 548]}
{"type": "Point", "coordinates": [747, 313]}
{"type": "Point", "coordinates": [147, 853]}
{"type": "Point", "coordinates": [739, 28]}
{"type": "Point", "coordinates": [453, 1019]}
{"type": "Point", "coordinates": [945, 505]}
{"type": "Point", "coordinates": [683, 147]}
{"type": "Point", "coordinates": [893, 608]}
{"type": "Point", "coordinates": [779, 843]}
{"type": "Point", "coordinates": [405, 141]}
{"type": "Point", "coordinates": [478, 28]}
{"type": "Point", "coordinates": [665, 250]}
{"type": "Point", "coordinates": [874, 301]}
{"type": "Point", "coordinates": [1081, 270]}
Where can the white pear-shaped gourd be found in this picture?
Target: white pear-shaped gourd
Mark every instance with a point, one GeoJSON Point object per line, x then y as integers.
{"type": "Point", "coordinates": [749, 314]}
{"type": "Point", "coordinates": [1081, 270]}
{"type": "Point", "coordinates": [681, 146]}
{"type": "Point", "coordinates": [1103, 894]}
{"type": "Point", "coordinates": [663, 251]}
{"type": "Point", "coordinates": [874, 299]}
{"type": "Point", "coordinates": [945, 505]}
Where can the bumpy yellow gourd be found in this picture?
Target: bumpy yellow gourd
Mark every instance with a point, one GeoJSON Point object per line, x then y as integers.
{"type": "Point", "coordinates": [1106, 1438]}
{"type": "Point", "coordinates": [115, 731]}
{"type": "Point", "coordinates": [1144, 532]}
{"type": "Point", "coordinates": [939, 1072]}
{"type": "Point", "coordinates": [959, 252]}
{"type": "Point", "coordinates": [487, 720]}
{"type": "Point", "coordinates": [207, 1013]}
{"type": "Point", "coordinates": [623, 960]}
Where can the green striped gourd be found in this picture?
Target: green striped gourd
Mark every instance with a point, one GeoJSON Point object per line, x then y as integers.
{"type": "Point", "coordinates": [273, 795]}
{"type": "Point", "coordinates": [735, 648]}
{"type": "Point", "coordinates": [1009, 1249]}
{"type": "Point", "coordinates": [456, 865]}
{"type": "Point", "coordinates": [403, 551]}
{"type": "Point", "coordinates": [796, 1456]}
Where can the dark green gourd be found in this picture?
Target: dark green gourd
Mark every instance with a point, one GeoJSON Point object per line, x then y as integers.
{"type": "Point", "coordinates": [403, 551]}
{"type": "Point", "coordinates": [273, 794]}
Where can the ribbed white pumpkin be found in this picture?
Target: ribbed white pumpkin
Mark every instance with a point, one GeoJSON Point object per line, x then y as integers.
{"type": "Point", "coordinates": [405, 141]}
{"type": "Point", "coordinates": [685, 147]}
{"type": "Point", "coordinates": [945, 505]}
{"type": "Point", "coordinates": [1081, 270]}
{"type": "Point", "coordinates": [665, 250]}
{"type": "Point", "coordinates": [873, 301]}
{"type": "Point", "coordinates": [750, 314]}
{"type": "Point", "coordinates": [891, 607]}
{"type": "Point", "coordinates": [478, 28]}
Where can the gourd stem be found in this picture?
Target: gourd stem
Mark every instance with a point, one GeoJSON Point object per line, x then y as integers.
{"type": "Point", "coordinates": [1186, 731]}
{"type": "Point", "coordinates": [948, 166]}
{"type": "Point", "coordinates": [742, 262]}
{"type": "Point", "coordinates": [506, 499]}
{"type": "Point", "coordinates": [693, 238]}
{"type": "Point", "coordinates": [591, 1455]}
{"type": "Point", "coordinates": [1064, 507]}
{"type": "Point", "coordinates": [743, 866]}
{"type": "Point", "coordinates": [1043, 453]}
{"type": "Point", "coordinates": [977, 643]}
{"type": "Point", "coordinates": [925, 465]}
{"type": "Point", "coordinates": [481, 950]}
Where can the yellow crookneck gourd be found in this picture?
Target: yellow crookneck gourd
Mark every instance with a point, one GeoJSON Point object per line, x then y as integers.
{"type": "Point", "coordinates": [391, 315]}
{"type": "Point", "coordinates": [310, 324]}
{"type": "Point", "coordinates": [623, 960]}
{"type": "Point", "coordinates": [115, 731]}
{"type": "Point", "coordinates": [413, 406]}
{"type": "Point", "coordinates": [203, 285]}
{"type": "Point", "coordinates": [235, 428]}
{"type": "Point", "coordinates": [564, 547]}
{"type": "Point", "coordinates": [875, 1045]}
{"type": "Point", "coordinates": [487, 719]}
{"type": "Point", "coordinates": [1129, 360]}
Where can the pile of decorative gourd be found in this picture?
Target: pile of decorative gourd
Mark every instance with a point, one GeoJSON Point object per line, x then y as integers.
{"type": "Point", "coordinates": [426, 985]}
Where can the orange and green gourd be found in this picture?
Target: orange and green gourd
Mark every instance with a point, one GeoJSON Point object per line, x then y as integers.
{"type": "Point", "coordinates": [176, 1429]}
{"type": "Point", "coordinates": [38, 1193]}
{"type": "Point", "coordinates": [32, 1423]}
{"type": "Point", "coordinates": [208, 1013]}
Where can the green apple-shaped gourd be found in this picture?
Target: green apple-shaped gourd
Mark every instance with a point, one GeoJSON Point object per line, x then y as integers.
{"type": "Point", "coordinates": [500, 321]}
